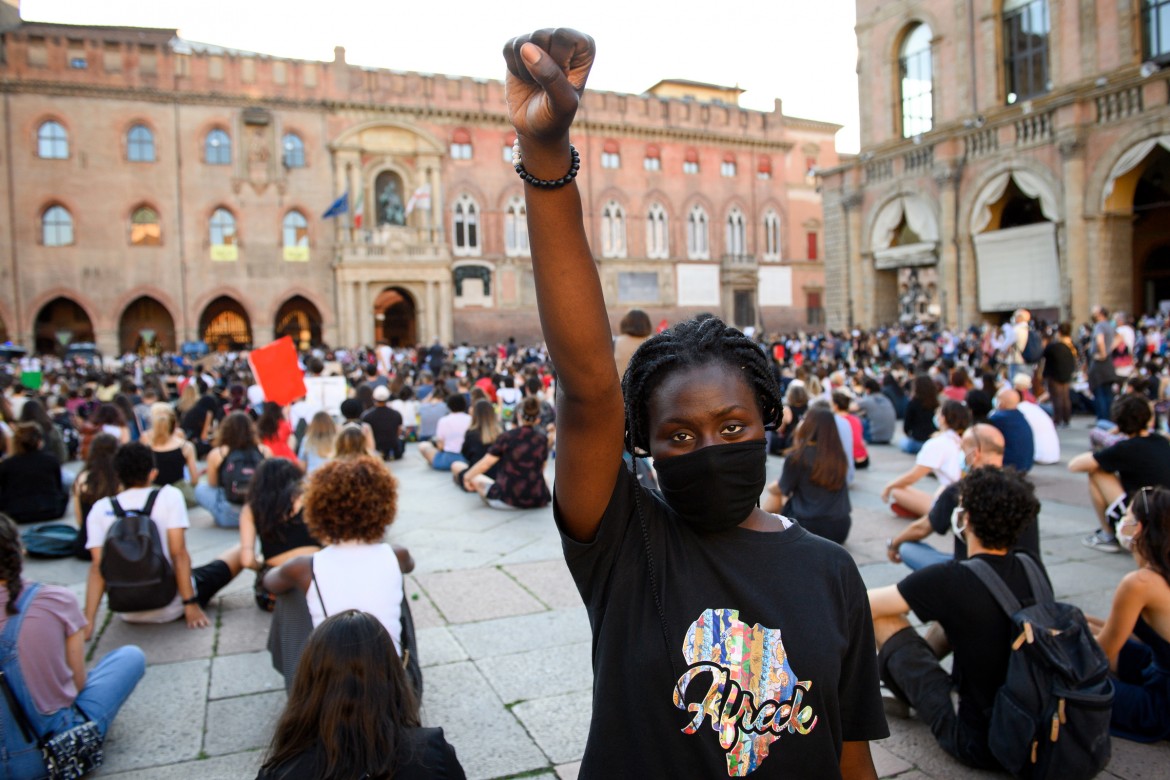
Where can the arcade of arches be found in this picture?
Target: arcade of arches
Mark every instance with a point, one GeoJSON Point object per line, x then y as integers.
{"type": "Point", "coordinates": [146, 328]}
{"type": "Point", "coordinates": [59, 323]}
{"type": "Point", "coordinates": [224, 326]}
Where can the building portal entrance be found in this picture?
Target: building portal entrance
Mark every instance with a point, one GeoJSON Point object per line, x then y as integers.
{"type": "Point", "coordinates": [395, 318]}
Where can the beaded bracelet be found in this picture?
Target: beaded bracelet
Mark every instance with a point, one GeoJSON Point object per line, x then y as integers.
{"type": "Point", "coordinates": [548, 184]}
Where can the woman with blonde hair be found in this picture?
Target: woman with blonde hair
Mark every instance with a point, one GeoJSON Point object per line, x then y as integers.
{"type": "Point", "coordinates": [485, 429]}
{"type": "Point", "coordinates": [350, 443]}
{"type": "Point", "coordinates": [317, 448]}
{"type": "Point", "coordinates": [172, 453]}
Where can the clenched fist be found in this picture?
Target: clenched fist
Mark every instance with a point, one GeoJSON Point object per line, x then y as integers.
{"type": "Point", "coordinates": [547, 70]}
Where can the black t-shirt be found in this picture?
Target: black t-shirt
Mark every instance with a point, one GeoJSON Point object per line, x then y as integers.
{"type": "Point", "coordinates": [1059, 361]}
{"type": "Point", "coordinates": [1138, 461]}
{"type": "Point", "coordinates": [919, 422]}
{"type": "Point", "coordinates": [30, 487]}
{"type": "Point", "coordinates": [940, 521]}
{"type": "Point", "coordinates": [782, 616]}
{"type": "Point", "coordinates": [425, 755]}
{"type": "Point", "coordinates": [978, 630]}
{"type": "Point", "coordinates": [384, 422]}
{"type": "Point", "coordinates": [809, 501]}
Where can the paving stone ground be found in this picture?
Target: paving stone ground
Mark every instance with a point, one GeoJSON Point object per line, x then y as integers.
{"type": "Point", "coordinates": [504, 640]}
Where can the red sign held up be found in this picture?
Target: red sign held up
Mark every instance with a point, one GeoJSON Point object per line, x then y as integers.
{"type": "Point", "coordinates": [278, 372]}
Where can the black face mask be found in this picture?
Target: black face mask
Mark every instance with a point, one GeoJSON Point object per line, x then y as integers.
{"type": "Point", "coordinates": [714, 488]}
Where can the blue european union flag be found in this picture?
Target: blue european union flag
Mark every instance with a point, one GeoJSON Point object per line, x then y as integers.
{"type": "Point", "coordinates": [339, 206]}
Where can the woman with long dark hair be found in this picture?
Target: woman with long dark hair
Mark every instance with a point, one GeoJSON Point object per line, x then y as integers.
{"type": "Point", "coordinates": [237, 450]}
{"type": "Point", "coordinates": [274, 514]}
{"type": "Point", "coordinates": [918, 425]}
{"type": "Point", "coordinates": [96, 481]}
{"type": "Point", "coordinates": [276, 432]}
{"type": "Point", "coordinates": [352, 713]}
{"type": "Point", "coordinates": [1136, 635]}
{"type": "Point", "coordinates": [31, 490]}
{"type": "Point", "coordinates": [812, 489]}
{"type": "Point", "coordinates": [47, 672]}
{"type": "Point", "coordinates": [34, 412]}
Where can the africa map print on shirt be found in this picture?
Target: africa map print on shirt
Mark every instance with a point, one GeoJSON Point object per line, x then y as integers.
{"type": "Point", "coordinates": [754, 695]}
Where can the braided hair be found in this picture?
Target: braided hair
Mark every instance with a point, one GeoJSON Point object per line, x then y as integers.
{"type": "Point", "coordinates": [11, 562]}
{"type": "Point", "coordinates": [694, 342]}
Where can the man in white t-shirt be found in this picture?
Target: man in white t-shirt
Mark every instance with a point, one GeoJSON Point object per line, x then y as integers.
{"type": "Point", "coordinates": [134, 465]}
{"type": "Point", "coordinates": [1045, 442]}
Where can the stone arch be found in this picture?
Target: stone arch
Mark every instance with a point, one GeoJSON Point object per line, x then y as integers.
{"type": "Point", "coordinates": [33, 308]}
{"type": "Point", "coordinates": [225, 325]}
{"type": "Point", "coordinates": [59, 322]}
{"type": "Point", "coordinates": [882, 221]}
{"type": "Point", "coordinates": [1034, 179]}
{"type": "Point", "coordinates": [1110, 186]}
{"type": "Point", "coordinates": [359, 135]}
{"type": "Point", "coordinates": [299, 318]}
{"type": "Point", "coordinates": [146, 326]}
{"type": "Point", "coordinates": [396, 315]}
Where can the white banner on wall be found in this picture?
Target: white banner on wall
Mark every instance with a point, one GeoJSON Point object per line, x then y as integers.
{"type": "Point", "coordinates": [698, 285]}
{"type": "Point", "coordinates": [776, 286]}
{"type": "Point", "coordinates": [1018, 267]}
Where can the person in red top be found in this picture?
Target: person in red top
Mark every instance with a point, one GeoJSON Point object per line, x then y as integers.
{"type": "Point", "coordinates": [960, 384]}
{"type": "Point", "coordinates": [276, 432]}
{"type": "Point", "coordinates": [841, 403]}
{"type": "Point", "coordinates": [488, 386]}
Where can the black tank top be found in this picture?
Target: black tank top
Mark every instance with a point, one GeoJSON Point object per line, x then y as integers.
{"type": "Point", "coordinates": [170, 466]}
{"type": "Point", "coordinates": [294, 534]}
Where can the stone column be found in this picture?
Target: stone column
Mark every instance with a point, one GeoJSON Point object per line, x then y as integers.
{"type": "Point", "coordinates": [446, 312]}
{"type": "Point", "coordinates": [365, 317]}
{"type": "Point", "coordinates": [1114, 262]}
{"type": "Point", "coordinates": [1074, 258]}
{"type": "Point", "coordinates": [948, 256]}
{"type": "Point", "coordinates": [430, 327]}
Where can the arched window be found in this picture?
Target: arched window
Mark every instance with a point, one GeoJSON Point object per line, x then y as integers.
{"type": "Point", "coordinates": [916, 74]}
{"type": "Point", "coordinates": [461, 145]}
{"type": "Point", "coordinates": [613, 230]}
{"type": "Point", "coordinates": [657, 236]}
{"type": "Point", "coordinates": [223, 228]}
{"type": "Point", "coordinates": [293, 151]}
{"type": "Point", "coordinates": [466, 226]}
{"type": "Point", "coordinates": [145, 229]}
{"type": "Point", "coordinates": [296, 230]}
{"type": "Point", "coordinates": [217, 148]}
{"type": "Point", "coordinates": [140, 144]}
{"type": "Point", "coordinates": [52, 141]}
{"type": "Point", "coordinates": [653, 159]}
{"type": "Point", "coordinates": [771, 235]}
{"type": "Point", "coordinates": [515, 228]}
{"type": "Point", "coordinates": [698, 240]}
{"type": "Point", "coordinates": [735, 239]}
{"type": "Point", "coordinates": [56, 226]}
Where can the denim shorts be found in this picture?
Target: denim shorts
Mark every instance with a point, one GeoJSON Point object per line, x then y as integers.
{"type": "Point", "coordinates": [444, 459]}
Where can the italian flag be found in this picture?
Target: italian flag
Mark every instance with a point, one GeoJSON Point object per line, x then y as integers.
{"type": "Point", "coordinates": [359, 210]}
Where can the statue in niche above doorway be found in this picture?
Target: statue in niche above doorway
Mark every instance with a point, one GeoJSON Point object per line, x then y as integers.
{"type": "Point", "coordinates": [391, 209]}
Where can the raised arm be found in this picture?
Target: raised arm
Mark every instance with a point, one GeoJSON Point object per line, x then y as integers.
{"type": "Point", "coordinates": [546, 79]}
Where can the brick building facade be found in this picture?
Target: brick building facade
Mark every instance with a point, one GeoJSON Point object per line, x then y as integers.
{"type": "Point", "coordinates": [1013, 153]}
{"type": "Point", "coordinates": [158, 191]}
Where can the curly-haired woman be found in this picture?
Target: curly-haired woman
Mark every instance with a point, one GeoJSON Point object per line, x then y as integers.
{"type": "Point", "coordinates": [348, 505]}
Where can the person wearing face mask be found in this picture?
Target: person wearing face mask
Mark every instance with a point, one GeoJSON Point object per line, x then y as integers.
{"type": "Point", "coordinates": [982, 448]}
{"type": "Point", "coordinates": [1136, 634]}
{"type": "Point", "coordinates": [942, 455]}
{"type": "Point", "coordinates": [677, 585]}
{"type": "Point", "coordinates": [995, 506]}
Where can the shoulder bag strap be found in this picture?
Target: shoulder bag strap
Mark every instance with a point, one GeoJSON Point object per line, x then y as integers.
{"type": "Point", "coordinates": [317, 587]}
{"type": "Point", "coordinates": [8, 640]}
{"type": "Point", "coordinates": [119, 512]}
{"type": "Point", "coordinates": [1041, 590]}
{"type": "Point", "coordinates": [999, 590]}
{"type": "Point", "coordinates": [148, 507]}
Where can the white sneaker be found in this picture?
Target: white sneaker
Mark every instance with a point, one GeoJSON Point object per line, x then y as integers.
{"type": "Point", "coordinates": [1099, 541]}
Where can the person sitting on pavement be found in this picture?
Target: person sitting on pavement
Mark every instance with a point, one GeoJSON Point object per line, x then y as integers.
{"type": "Point", "coordinates": [386, 425]}
{"type": "Point", "coordinates": [31, 490]}
{"type": "Point", "coordinates": [174, 456]}
{"type": "Point", "coordinates": [431, 409]}
{"type": "Point", "coordinates": [274, 514]}
{"type": "Point", "coordinates": [235, 440]}
{"type": "Point", "coordinates": [445, 449]}
{"type": "Point", "coordinates": [879, 418]}
{"type": "Point", "coordinates": [919, 424]}
{"type": "Point", "coordinates": [812, 489]}
{"type": "Point", "coordinates": [1136, 634]}
{"type": "Point", "coordinates": [317, 447]}
{"type": "Point", "coordinates": [995, 505]}
{"type": "Point", "coordinates": [941, 456]}
{"type": "Point", "coordinates": [485, 429]}
{"type": "Point", "coordinates": [276, 432]}
{"type": "Point", "coordinates": [1045, 442]}
{"type": "Point", "coordinates": [1142, 458]}
{"type": "Point", "coordinates": [841, 404]}
{"type": "Point", "coordinates": [134, 464]}
{"type": "Point", "coordinates": [97, 480]}
{"type": "Point", "coordinates": [47, 672]}
{"type": "Point", "coordinates": [352, 712]}
{"type": "Point", "coordinates": [982, 447]}
{"type": "Point", "coordinates": [1019, 446]}
{"type": "Point", "coordinates": [781, 440]}
{"type": "Point", "coordinates": [519, 456]}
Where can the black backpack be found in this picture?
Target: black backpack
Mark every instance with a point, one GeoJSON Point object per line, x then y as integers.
{"type": "Point", "coordinates": [1050, 718]}
{"type": "Point", "coordinates": [1033, 348]}
{"type": "Point", "coordinates": [236, 473]}
{"type": "Point", "coordinates": [138, 575]}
